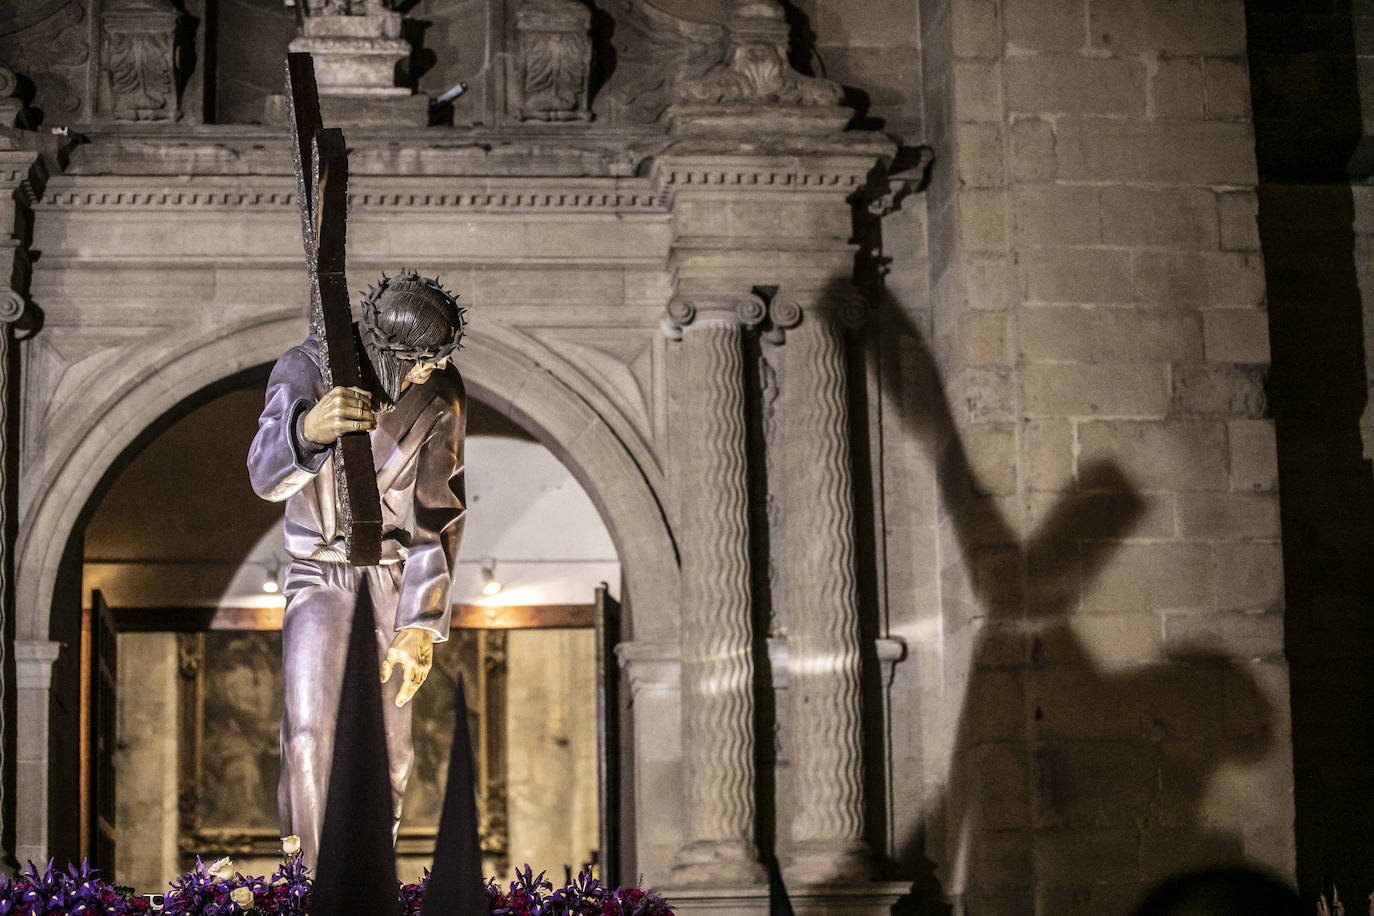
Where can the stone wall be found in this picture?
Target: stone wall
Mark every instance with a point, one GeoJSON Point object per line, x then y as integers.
{"type": "Point", "coordinates": [1041, 505]}
{"type": "Point", "coordinates": [1108, 537]}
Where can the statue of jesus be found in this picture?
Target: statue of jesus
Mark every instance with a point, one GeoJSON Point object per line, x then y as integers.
{"type": "Point", "coordinates": [415, 409]}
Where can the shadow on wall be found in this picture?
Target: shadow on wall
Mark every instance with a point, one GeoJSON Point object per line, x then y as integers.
{"type": "Point", "coordinates": [1072, 786]}
{"type": "Point", "coordinates": [1312, 145]}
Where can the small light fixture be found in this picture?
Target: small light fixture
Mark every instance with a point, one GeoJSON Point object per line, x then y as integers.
{"type": "Point", "coordinates": [269, 579]}
{"type": "Point", "coordinates": [489, 584]}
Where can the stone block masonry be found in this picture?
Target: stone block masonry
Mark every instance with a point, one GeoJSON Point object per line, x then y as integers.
{"type": "Point", "coordinates": [1105, 235]}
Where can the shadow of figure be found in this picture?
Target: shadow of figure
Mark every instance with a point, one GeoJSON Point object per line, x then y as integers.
{"type": "Point", "coordinates": [1079, 770]}
{"type": "Point", "coordinates": [1223, 892]}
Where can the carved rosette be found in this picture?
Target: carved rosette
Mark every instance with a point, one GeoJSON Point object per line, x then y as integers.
{"type": "Point", "coordinates": [554, 60]}
{"type": "Point", "coordinates": [139, 60]}
{"type": "Point", "coordinates": [823, 650]}
{"type": "Point", "coordinates": [717, 661]}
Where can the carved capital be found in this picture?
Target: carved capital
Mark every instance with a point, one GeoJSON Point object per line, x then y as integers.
{"type": "Point", "coordinates": [746, 309]}
{"type": "Point", "coordinates": [33, 661]}
{"type": "Point", "coordinates": [909, 173]}
{"type": "Point", "coordinates": [651, 667]}
{"type": "Point", "coordinates": [843, 302]}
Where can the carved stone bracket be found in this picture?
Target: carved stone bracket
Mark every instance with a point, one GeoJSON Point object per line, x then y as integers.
{"type": "Point", "coordinates": [139, 60]}
{"type": "Point", "coordinates": [908, 174]}
{"type": "Point", "coordinates": [554, 57]}
{"type": "Point", "coordinates": [745, 309]}
{"type": "Point", "coordinates": [754, 89]}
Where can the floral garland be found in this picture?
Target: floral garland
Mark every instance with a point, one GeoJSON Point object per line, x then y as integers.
{"type": "Point", "coordinates": [218, 889]}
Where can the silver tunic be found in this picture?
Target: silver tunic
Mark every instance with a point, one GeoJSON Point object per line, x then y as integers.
{"type": "Point", "coordinates": [417, 448]}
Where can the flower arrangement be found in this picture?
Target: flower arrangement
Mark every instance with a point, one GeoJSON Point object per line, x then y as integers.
{"type": "Point", "coordinates": [78, 891]}
{"type": "Point", "coordinates": [218, 889]}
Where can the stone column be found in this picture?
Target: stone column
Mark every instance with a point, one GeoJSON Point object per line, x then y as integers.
{"type": "Point", "coordinates": [19, 169]}
{"type": "Point", "coordinates": [827, 837]}
{"type": "Point", "coordinates": [717, 631]}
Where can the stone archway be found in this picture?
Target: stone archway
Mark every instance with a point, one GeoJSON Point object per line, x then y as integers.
{"type": "Point", "coordinates": [536, 396]}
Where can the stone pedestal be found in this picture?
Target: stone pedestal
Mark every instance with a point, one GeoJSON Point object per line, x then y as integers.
{"type": "Point", "coordinates": [355, 68]}
{"type": "Point", "coordinates": [827, 842]}
{"type": "Point", "coordinates": [717, 640]}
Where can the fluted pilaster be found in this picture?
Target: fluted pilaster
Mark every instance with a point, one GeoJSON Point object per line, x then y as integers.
{"type": "Point", "coordinates": [717, 661]}
{"type": "Point", "coordinates": [827, 831]}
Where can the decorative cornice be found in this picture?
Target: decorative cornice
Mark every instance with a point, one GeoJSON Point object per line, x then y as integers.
{"type": "Point", "coordinates": [469, 195]}
{"type": "Point", "coordinates": [704, 174]}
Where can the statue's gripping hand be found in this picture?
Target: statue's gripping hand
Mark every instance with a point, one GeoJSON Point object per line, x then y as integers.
{"type": "Point", "coordinates": [413, 650]}
{"type": "Point", "coordinates": [341, 410]}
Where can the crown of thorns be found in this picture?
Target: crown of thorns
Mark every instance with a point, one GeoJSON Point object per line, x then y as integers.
{"type": "Point", "coordinates": [408, 281]}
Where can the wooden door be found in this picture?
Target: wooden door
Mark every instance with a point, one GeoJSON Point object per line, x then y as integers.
{"type": "Point", "coordinates": [101, 722]}
{"type": "Point", "coordinates": [607, 622]}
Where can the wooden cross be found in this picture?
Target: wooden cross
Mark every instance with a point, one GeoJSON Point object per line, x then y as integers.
{"type": "Point", "coordinates": [321, 161]}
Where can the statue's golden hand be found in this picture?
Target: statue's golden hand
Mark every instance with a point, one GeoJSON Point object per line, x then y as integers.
{"type": "Point", "coordinates": [341, 410]}
{"type": "Point", "coordinates": [413, 651]}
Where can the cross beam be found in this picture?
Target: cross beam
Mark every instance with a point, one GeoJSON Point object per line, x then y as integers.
{"type": "Point", "coordinates": [321, 162]}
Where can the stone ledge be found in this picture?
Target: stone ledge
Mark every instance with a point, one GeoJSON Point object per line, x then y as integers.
{"type": "Point", "coordinates": [876, 899]}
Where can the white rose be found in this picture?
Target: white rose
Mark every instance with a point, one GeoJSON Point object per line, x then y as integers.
{"type": "Point", "coordinates": [290, 845]}
{"type": "Point", "coordinates": [221, 869]}
{"type": "Point", "coordinates": [242, 896]}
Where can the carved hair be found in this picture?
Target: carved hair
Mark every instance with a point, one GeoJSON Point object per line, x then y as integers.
{"type": "Point", "coordinates": [405, 319]}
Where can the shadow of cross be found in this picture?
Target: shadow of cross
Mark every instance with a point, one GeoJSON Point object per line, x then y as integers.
{"type": "Point", "coordinates": [1077, 776]}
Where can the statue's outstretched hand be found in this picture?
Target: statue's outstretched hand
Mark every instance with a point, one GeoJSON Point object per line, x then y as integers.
{"type": "Point", "coordinates": [341, 410]}
{"type": "Point", "coordinates": [413, 651]}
